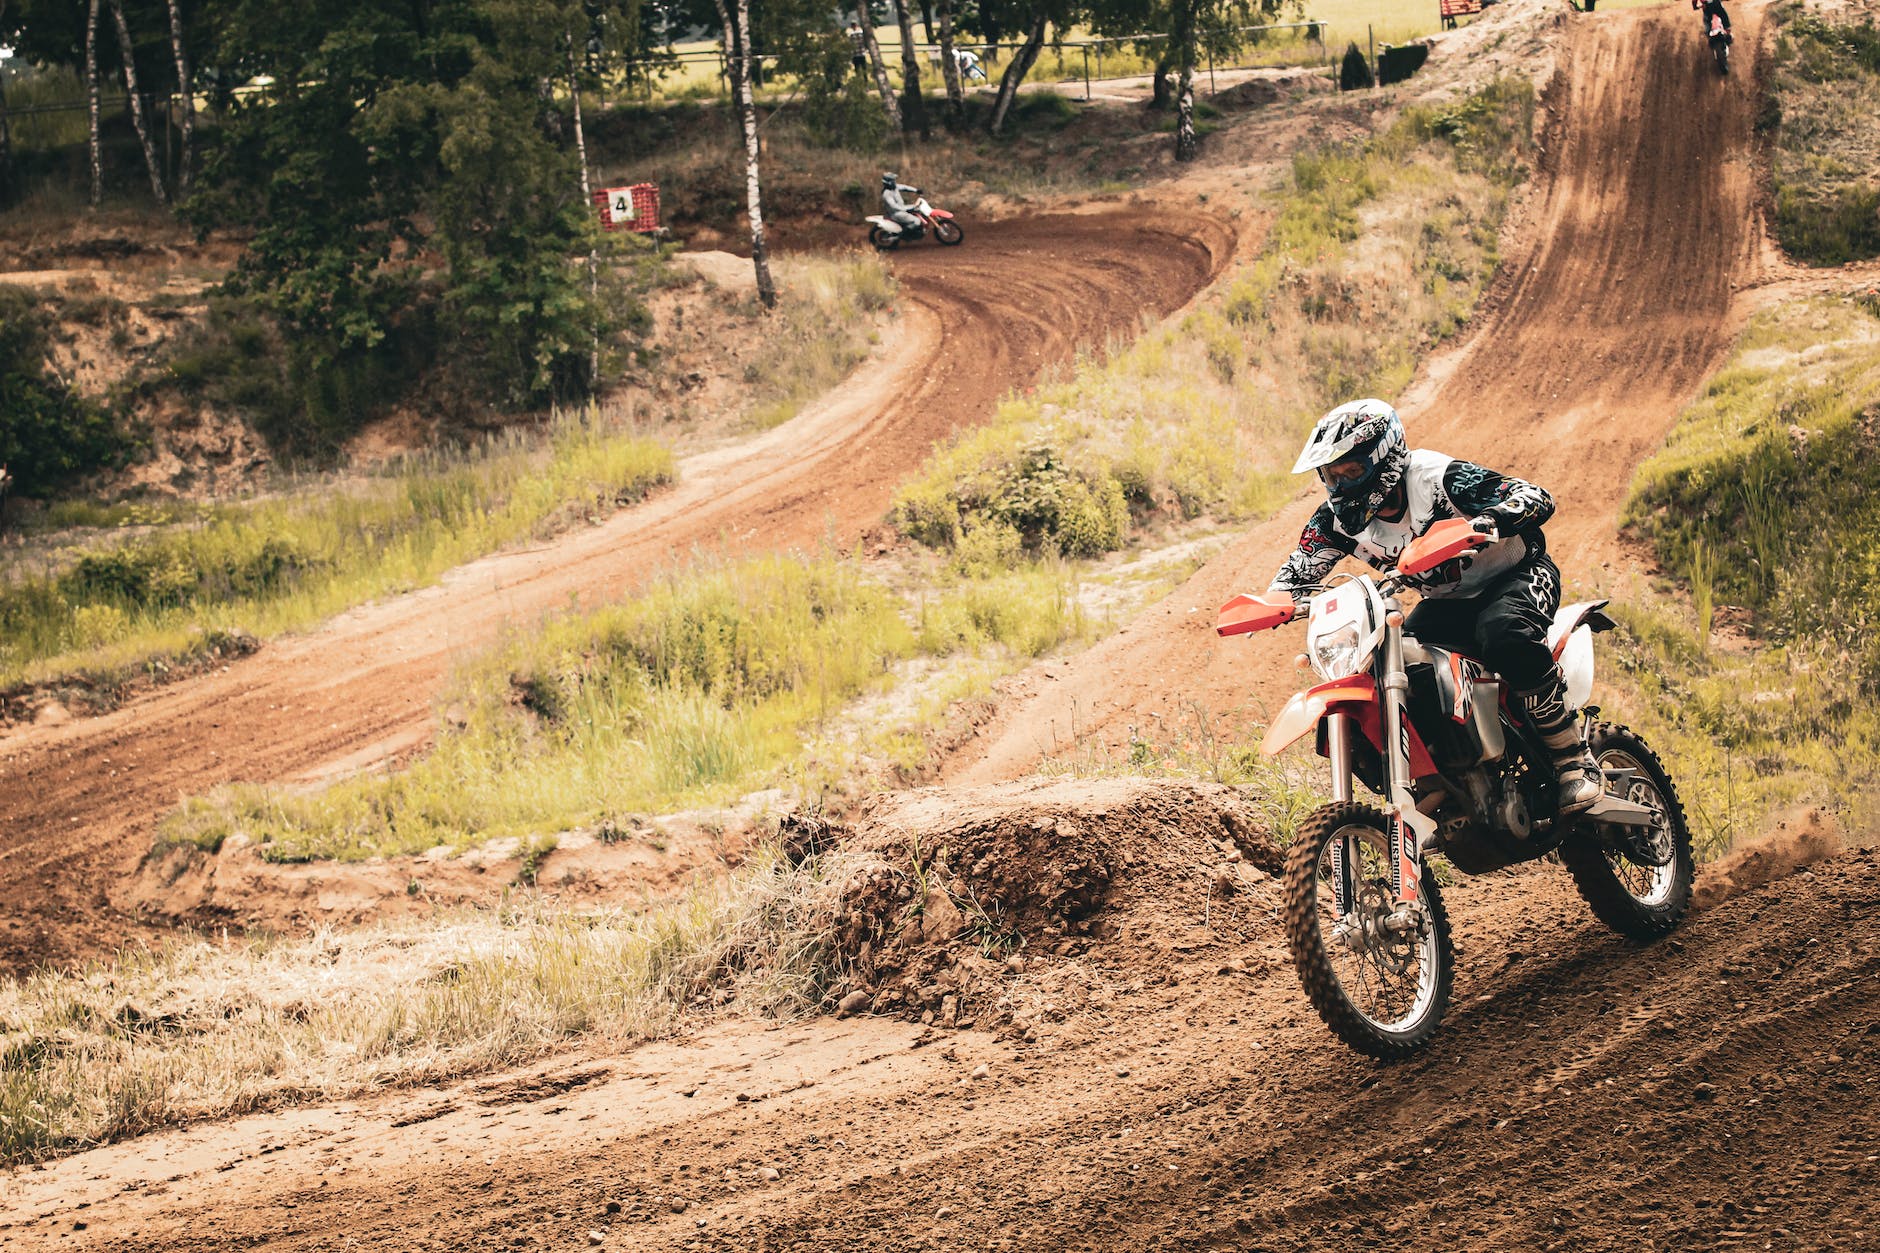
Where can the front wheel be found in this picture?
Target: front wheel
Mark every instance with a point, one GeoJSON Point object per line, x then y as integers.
{"type": "Point", "coordinates": [1723, 58]}
{"type": "Point", "coordinates": [883, 240]}
{"type": "Point", "coordinates": [1637, 881]}
{"type": "Point", "coordinates": [1379, 978]}
{"type": "Point", "coordinates": [947, 231]}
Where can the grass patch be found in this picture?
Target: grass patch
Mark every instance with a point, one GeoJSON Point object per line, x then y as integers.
{"type": "Point", "coordinates": [284, 564]}
{"type": "Point", "coordinates": [701, 688]}
{"type": "Point", "coordinates": [199, 1030]}
{"type": "Point", "coordinates": [1824, 111]}
{"type": "Point", "coordinates": [1377, 251]}
{"type": "Point", "coordinates": [824, 327]}
{"type": "Point", "coordinates": [1765, 507]}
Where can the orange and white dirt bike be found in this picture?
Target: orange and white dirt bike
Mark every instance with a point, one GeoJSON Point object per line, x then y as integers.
{"type": "Point", "coordinates": [1461, 772]}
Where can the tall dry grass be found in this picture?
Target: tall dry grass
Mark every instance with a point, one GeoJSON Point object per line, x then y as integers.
{"type": "Point", "coordinates": [196, 1029]}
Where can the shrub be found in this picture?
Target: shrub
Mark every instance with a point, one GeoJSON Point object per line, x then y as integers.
{"type": "Point", "coordinates": [49, 434]}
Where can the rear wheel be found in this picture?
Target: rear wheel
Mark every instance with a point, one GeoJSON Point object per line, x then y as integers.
{"type": "Point", "coordinates": [1638, 882]}
{"type": "Point", "coordinates": [1379, 978]}
{"type": "Point", "coordinates": [947, 231]}
{"type": "Point", "coordinates": [883, 240]}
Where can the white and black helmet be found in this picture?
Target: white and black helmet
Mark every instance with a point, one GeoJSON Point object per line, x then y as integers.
{"type": "Point", "coordinates": [1366, 431]}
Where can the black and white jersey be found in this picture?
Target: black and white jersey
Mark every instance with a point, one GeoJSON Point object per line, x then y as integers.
{"type": "Point", "coordinates": [1436, 487]}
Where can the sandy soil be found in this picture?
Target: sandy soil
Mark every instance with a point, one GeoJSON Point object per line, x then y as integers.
{"type": "Point", "coordinates": [979, 320]}
{"type": "Point", "coordinates": [1144, 1082]}
{"type": "Point", "coordinates": [1600, 327]}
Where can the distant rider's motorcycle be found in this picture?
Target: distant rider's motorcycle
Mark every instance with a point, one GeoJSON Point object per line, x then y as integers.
{"type": "Point", "coordinates": [1720, 44]}
{"type": "Point", "coordinates": [1461, 772]}
{"type": "Point", "coordinates": [886, 233]}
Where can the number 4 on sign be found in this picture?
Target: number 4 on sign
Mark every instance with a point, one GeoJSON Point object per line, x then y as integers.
{"type": "Point", "coordinates": [620, 205]}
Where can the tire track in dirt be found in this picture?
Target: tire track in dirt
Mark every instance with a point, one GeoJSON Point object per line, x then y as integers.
{"type": "Point", "coordinates": [1599, 328]}
{"type": "Point", "coordinates": [1584, 1094]}
{"type": "Point", "coordinates": [979, 320]}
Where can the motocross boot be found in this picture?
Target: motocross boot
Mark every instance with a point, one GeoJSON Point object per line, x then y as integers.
{"type": "Point", "coordinates": [1581, 782]}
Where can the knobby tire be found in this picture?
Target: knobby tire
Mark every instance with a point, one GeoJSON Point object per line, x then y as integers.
{"type": "Point", "coordinates": [1307, 941]}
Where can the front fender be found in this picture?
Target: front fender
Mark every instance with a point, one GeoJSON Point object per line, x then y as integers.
{"type": "Point", "coordinates": [1302, 713]}
{"type": "Point", "coordinates": [1357, 696]}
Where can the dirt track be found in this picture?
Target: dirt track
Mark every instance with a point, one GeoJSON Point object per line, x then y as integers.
{"type": "Point", "coordinates": [979, 321]}
{"type": "Point", "coordinates": [1601, 326]}
{"type": "Point", "coordinates": [1714, 1091]}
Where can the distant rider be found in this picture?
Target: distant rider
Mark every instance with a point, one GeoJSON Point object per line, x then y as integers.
{"type": "Point", "coordinates": [1380, 495]}
{"type": "Point", "coordinates": [1709, 9]}
{"type": "Point", "coordinates": [967, 62]}
{"type": "Point", "coordinates": [893, 191]}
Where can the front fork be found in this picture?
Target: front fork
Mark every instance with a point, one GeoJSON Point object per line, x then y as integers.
{"type": "Point", "coordinates": [1410, 829]}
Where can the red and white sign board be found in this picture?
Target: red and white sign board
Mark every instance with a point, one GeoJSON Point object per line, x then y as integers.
{"type": "Point", "coordinates": [634, 208]}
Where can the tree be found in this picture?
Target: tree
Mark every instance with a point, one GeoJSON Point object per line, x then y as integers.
{"type": "Point", "coordinates": [1019, 66]}
{"type": "Point", "coordinates": [127, 49]}
{"type": "Point", "coordinates": [91, 89]}
{"type": "Point", "coordinates": [950, 66]}
{"type": "Point", "coordinates": [1184, 40]}
{"type": "Point", "coordinates": [914, 105]}
{"type": "Point", "coordinates": [185, 89]}
{"type": "Point", "coordinates": [753, 192]}
{"type": "Point", "coordinates": [878, 66]}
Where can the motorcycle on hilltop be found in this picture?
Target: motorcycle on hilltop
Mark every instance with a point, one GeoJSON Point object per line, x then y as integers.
{"type": "Point", "coordinates": [1461, 772]}
{"type": "Point", "coordinates": [886, 234]}
{"type": "Point", "coordinates": [1720, 44]}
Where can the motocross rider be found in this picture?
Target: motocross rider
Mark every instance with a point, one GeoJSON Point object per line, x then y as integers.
{"type": "Point", "coordinates": [1708, 9]}
{"type": "Point", "coordinates": [892, 192]}
{"type": "Point", "coordinates": [1380, 495]}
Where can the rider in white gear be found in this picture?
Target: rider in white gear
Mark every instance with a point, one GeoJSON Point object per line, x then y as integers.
{"type": "Point", "coordinates": [1380, 495]}
{"type": "Point", "coordinates": [892, 192]}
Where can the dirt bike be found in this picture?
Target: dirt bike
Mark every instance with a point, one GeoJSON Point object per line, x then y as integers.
{"type": "Point", "coordinates": [1720, 44]}
{"type": "Point", "coordinates": [1462, 772]}
{"type": "Point", "coordinates": [885, 233]}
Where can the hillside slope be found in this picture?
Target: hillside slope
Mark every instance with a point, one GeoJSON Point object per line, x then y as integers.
{"type": "Point", "coordinates": [83, 798]}
{"type": "Point", "coordinates": [1613, 307]}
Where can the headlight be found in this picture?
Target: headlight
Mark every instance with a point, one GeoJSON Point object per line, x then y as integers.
{"type": "Point", "coordinates": [1337, 653]}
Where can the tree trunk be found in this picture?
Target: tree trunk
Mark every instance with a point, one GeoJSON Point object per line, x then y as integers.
{"type": "Point", "coordinates": [950, 68]}
{"type": "Point", "coordinates": [1159, 94]}
{"type": "Point", "coordinates": [753, 192]}
{"type": "Point", "coordinates": [926, 18]}
{"type": "Point", "coordinates": [91, 88]}
{"type": "Point", "coordinates": [880, 67]}
{"type": "Point", "coordinates": [189, 96]}
{"type": "Point", "coordinates": [1015, 73]}
{"type": "Point", "coordinates": [1185, 142]}
{"type": "Point", "coordinates": [734, 57]}
{"type": "Point", "coordinates": [137, 103]}
{"type": "Point", "coordinates": [913, 106]}
{"type": "Point", "coordinates": [587, 196]}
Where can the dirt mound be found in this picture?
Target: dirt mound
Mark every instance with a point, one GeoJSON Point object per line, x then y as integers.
{"type": "Point", "coordinates": [959, 893]}
{"type": "Point", "coordinates": [1796, 842]}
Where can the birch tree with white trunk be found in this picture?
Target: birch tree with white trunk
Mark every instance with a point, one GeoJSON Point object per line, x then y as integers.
{"type": "Point", "coordinates": [184, 89]}
{"type": "Point", "coordinates": [753, 185]}
{"type": "Point", "coordinates": [883, 84]}
{"type": "Point", "coordinates": [91, 94]}
{"type": "Point", "coordinates": [137, 103]}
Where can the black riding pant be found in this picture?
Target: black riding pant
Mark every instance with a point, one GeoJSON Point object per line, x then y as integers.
{"type": "Point", "coordinates": [1504, 626]}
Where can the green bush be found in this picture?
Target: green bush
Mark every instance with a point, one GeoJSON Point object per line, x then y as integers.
{"type": "Point", "coordinates": [1823, 109]}
{"type": "Point", "coordinates": [49, 434]}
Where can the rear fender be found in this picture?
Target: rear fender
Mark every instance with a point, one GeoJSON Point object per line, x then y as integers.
{"type": "Point", "coordinates": [886, 224]}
